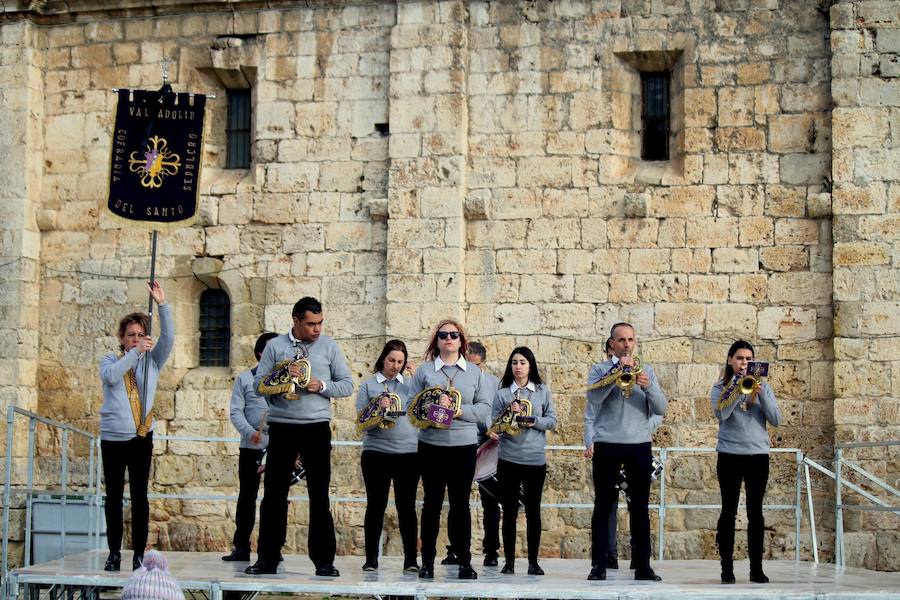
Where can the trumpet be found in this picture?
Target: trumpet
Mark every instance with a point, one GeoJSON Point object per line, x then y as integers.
{"type": "Point", "coordinates": [625, 380]}
{"type": "Point", "coordinates": [747, 385]}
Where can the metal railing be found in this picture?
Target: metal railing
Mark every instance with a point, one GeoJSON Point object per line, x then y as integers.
{"type": "Point", "coordinates": [839, 463]}
{"type": "Point", "coordinates": [92, 488]}
{"type": "Point", "coordinates": [93, 492]}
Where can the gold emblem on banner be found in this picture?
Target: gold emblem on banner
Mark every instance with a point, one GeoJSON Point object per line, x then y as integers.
{"type": "Point", "coordinates": [157, 163]}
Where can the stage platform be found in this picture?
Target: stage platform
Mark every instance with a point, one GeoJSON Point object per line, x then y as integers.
{"type": "Point", "coordinates": [565, 578]}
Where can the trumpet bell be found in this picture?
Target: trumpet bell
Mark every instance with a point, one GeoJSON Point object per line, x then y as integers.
{"type": "Point", "coordinates": [747, 385]}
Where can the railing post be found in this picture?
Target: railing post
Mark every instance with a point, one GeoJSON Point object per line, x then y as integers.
{"type": "Point", "coordinates": [838, 511]}
{"type": "Point", "coordinates": [32, 426]}
{"type": "Point", "coordinates": [97, 498]}
{"type": "Point", "coordinates": [64, 478]}
{"type": "Point", "coordinates": [798, 511]}
{"type": "Point", "coordinates": [812, 513]}
{"type": "Point", "coordinates": [661, 534]}
{"type": "Point", "coordinates": [7, 485]}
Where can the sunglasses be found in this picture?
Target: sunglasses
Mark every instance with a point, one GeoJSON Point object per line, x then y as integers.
{"type": "Point", "coordinates": [453, 335]}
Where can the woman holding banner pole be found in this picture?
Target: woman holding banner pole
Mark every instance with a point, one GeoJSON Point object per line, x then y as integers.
{"type": "Point", "coordinates": [126, 429]}
{"type": "Point", "coordinates": [743, 404]}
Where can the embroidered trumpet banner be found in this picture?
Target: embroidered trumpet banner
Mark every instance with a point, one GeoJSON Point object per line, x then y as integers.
{"type": "Point", "coordinates": [157, 146]}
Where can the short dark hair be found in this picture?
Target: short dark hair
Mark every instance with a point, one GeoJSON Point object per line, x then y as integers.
{"type": "Point", "coordinates": [477, 349]}
{"type": "Point", "coordinates": [261, 342]}
{"type": "Point", "coordinates": [533, 375]}
{"type": "Point", "coordinates": [389, 347]}
{"type": "Point", "coordinates": [612, 330]}
{"type": "Point", "coordinates": [136, 317]}
{"type": "Point", "coordinates": [304, 305]}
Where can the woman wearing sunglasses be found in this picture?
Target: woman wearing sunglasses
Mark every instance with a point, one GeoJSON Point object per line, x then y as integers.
{"type": "Point", "coordinates": [447, 453]}
{"type": "Point", "coordinates": [523, 460]}
{"type": "Point", "coordinates": [389, 453]}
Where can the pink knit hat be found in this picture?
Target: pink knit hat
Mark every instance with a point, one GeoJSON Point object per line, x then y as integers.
{"type": "Point", "coordinates": [152, 581]}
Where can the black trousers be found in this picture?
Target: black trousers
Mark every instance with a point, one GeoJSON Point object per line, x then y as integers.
{"type": "Point", "coordinates": [637, 460]}
{"type": "Point", "coordinates": [530, 478]}
{"type": "Point", "coordinates": [489, 490]}
{"type": "Point", "coordinates": [450, 468]}
{"type": "Point", "coordinates": [379, 469]}
{"type": "Point", "coordinates": [312, 442]}
{"type": "Point", "coordinates": [245, 515]}
{"type": "Point", "coordinates": [133, 455]}
{"type": "Point", "coordinates": [753, 470]}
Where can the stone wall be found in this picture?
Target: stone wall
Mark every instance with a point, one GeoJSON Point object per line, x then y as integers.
{"type": "Point", "coordinates": [866, 202]}
{"type": "Point", "coordinates": [509, 193]}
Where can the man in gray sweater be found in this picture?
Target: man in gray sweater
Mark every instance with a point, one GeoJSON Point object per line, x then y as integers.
{"type": "Point", "coordinates": [617, 433]}
{"type": "Point", "coordinates": [247, 410]}
{"type": "Point", "coordinates": [301, 426]}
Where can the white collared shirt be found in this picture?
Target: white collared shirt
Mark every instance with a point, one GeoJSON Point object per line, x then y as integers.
{"type": "Point", "coordinates": [529, 386]}
{"type": "Point", "coordinates": [439, 364]}
{"type": "Point", "coordinates": [380, 378]}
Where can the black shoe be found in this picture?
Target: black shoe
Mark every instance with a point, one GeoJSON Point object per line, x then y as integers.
{"type": "Point", "coordinates": [410, 566]}
{"type": "Point", "coordinates": [136, 562]}
{"type": "Point", "coordinates": [646, 575]}
{"type": "Point", "coordinates": [238, 555]}
{"type": "Point", "coordinates": [467, 572]}
{"type": "Point", "coordinates": [327, 571]}
{"type": "Point", "coordinates": [490, 560]}
{"type": "Point", "coordinates": [509, 568]}
{"type": "Point", "coordinates": [728, 576]}
{"type": "Point", "coordinates": [535, 569]}
{"type": "Point", "coordinates": [113, 562]}
{"type": "Point", "coordinates": [262, 567]}
{"type": "Point", "coordinates": [451, 558]}
{"type": "Point", "coordinates": [370, 565]}
{"type": "Point", "coordinates": [757, 576]}
{"type": "Point", "coordinates": [612, 563]}
{"type": "Point", "coordinates": [598, 573]}
{"type": "Point", "coordinates": [631, 565]}
{"type": "Point", "coordinates": [426, 572]}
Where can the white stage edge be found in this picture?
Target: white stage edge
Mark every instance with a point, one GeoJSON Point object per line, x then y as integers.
{"type": "Point", "coordinates": [565, 578]}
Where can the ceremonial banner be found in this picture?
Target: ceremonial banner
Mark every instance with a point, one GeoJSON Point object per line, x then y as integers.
{"type": "Point", "coordinates": [155, 160]}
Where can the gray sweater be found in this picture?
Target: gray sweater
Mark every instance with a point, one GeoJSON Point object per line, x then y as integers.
{"type": "Point", "coordinates": [116, 418]}
{"type": "Point", "coordinates": [612, 418]}
{"type": "Point", "coordinates": [247, 409]}
{"type": "Point", "coordinates": [493, 384]}
{"type": "Point", "coordinates": [328, 365]}
{"type": "Point", "coordinates": [527, 448]}
{"type": "Point", "coordinates": [745, 432]}
{"type": "Point", "coordinates": [476, 402]}
{"type": "Point", "coordinates": [402, 438]}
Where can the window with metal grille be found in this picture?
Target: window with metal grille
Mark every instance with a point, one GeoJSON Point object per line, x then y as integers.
{"type": "Point", "coordinates": [238, 130]}
{"type": "Point", "coordinates": [215, 328]}
{"type": "Point", "coordinates": [655, 113]}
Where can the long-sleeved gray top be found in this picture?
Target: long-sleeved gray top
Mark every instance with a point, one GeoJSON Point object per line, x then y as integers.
{"type": "Point", "coordinates": [527, 448]}
{"type": "Point", "coordinates": [247, 408]}
{"type": "Point", "coordinates": [493, 384]}
{"type": "Point", "coordinates": [743, 432]}
{"type": "Point", "coordinates": [116, 418]}
{"type": "Point", "coordinates": [403, 437]}
{"type": "Point", "coordinates": [328, 365]}
{"type": "Point", "coordinates": [476, 400]}
{"type": "Point", "coordinates": [612, 418]}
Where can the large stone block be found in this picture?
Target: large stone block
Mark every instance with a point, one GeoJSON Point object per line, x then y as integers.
{"type": "Point", "coordinates": [786, 323]}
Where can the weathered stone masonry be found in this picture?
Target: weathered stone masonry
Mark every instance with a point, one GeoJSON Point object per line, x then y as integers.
{"type": "Point", "coordinates": [509, 192]}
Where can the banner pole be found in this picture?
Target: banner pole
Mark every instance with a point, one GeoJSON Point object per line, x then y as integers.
{"type": "Point", "coordinates": [149, 323]}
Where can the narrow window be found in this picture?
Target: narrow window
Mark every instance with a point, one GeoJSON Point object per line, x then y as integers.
{"type": "Point", "coordinates": [215, 328]}
{"type": "Point", "coordinates": [655, 116]}
{"type": "Point", "coordinates": [238, 130]}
